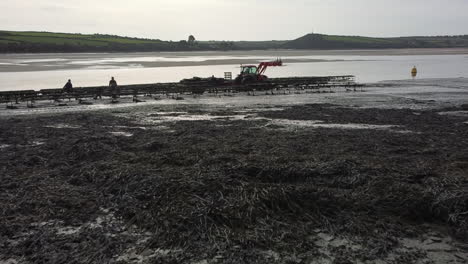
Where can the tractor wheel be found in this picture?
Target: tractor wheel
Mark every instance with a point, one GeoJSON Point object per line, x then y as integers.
{"type": "Point", "coordinates": [248, 80]}
{"type": "Point", "coordinates": [238, 80]}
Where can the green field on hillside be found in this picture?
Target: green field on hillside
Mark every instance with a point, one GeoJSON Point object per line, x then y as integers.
{"type": "Point", "coordinates": [319, 41]}
{"type": "Point", "coordinates": [63, 38]}
{"type": "Point", "coordinates": [356, 39]}
{"type": "Point", "coordinates": [21, 42]}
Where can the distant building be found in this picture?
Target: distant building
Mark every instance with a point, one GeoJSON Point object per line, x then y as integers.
{"type": "Point", "coordinates": [191, 39]}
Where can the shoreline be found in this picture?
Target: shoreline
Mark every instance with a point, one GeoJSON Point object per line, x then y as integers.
{"type": "Point", "coordinates": [415, 51]}
{"type": "Point", "coordinates": [403, 51]}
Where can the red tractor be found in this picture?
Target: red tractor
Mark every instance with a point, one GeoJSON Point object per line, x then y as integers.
{"type": "Point", "coordinates": [254, 74]}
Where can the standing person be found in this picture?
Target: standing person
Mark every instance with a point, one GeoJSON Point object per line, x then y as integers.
{"type": "Point", "coordinates": [414, 72]}
{"type": "Point", "coordinates": [114, 88]}
{"type": "Point", "coordinates": [68, 87]}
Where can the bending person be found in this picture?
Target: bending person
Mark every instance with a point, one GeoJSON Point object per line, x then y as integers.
{"type": "Point", "coordinates": [68, 87]}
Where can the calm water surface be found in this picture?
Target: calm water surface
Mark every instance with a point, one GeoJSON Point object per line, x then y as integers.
{"type": "Point", "coordinates": [41, 71]}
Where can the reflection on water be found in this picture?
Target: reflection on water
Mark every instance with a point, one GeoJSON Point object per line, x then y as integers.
{"type": "Point", "coordinates": [41, 71]}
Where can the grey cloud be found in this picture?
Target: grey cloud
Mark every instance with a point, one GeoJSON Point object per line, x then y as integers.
{"type": "Point", "coordinates": [240, 19]}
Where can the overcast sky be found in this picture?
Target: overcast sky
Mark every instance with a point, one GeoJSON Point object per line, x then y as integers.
{"type": "Point", "coordinates": [238, 19]}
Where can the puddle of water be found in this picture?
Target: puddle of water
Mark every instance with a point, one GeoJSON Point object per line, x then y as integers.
{"type": "Point", "coordinates": [320, 124]}
{"type": "Point", "coordinates": [68, 230]}
{"type": "Point", "coordinates": [63, 126]}
{"type": "Point", "coordinates": [205, 117]}
{"type": "Point", "coordinates": [162, 128]}
{"type": "Point", "coordinates": [4, 146]}
{"type": "Point", "coordinates": [167, 113]}
{"type": "Point", "coordinates": [37, 143]}
{"type": "Point", "coordinates": [287, 123]}
{"type": "Point", "coordinates": [406, 132]}
{"type": "Point", "coordinates": [41, 224]}
{"type": "Point", "coordinates": [250, 110]}
{"type": "Point", "coordinates": [33, 144]}
{"type": "Point", "coordinates": [455, 113]}
{"type": "Point", "coordinates": [121, 134]}
{"type": "Point", "coordinates": [161, 119]}
{"type": "Point", "coordinates": [128, 127]}
{"type": "Point", "coordinates": [155, 122]}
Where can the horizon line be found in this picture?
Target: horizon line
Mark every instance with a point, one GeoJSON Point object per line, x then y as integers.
{"type": "Point", "coordinates": [147, 38]}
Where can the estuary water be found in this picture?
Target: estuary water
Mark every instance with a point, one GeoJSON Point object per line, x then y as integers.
{"type": "Point", "coordinates": [43, 71]}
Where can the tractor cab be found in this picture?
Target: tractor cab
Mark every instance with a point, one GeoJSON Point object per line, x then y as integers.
{"type": "Point", "coordinates": [249, 69]}
{"type": "Point", "coordinates": [248, 74]}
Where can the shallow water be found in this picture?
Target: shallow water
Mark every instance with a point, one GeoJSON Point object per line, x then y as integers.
{"type": "Point", "coordinates": [42, 71]}
{"type": "Point", "coordinates": [287, 124]}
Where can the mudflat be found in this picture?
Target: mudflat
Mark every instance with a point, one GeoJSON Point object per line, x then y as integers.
{"type": "Point", "coordinates": [372, 177]}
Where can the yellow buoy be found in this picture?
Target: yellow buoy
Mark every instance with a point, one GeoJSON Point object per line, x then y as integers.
{"type": "Point", "coordinates": [414, 72]}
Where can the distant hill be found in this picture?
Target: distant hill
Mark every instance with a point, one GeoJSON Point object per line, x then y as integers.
{"type": "Point", "coordinates": [11, 41]}
{"type": "Point", "coordinates": [319, 41]}
{"type": "Point", "coordinates": [34, 42]}
{"type": "Point", "coordinates": [22, 42]}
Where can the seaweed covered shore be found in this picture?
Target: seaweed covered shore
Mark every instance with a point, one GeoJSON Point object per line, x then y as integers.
{"type": "Point", "coordinates": [317, 183]}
